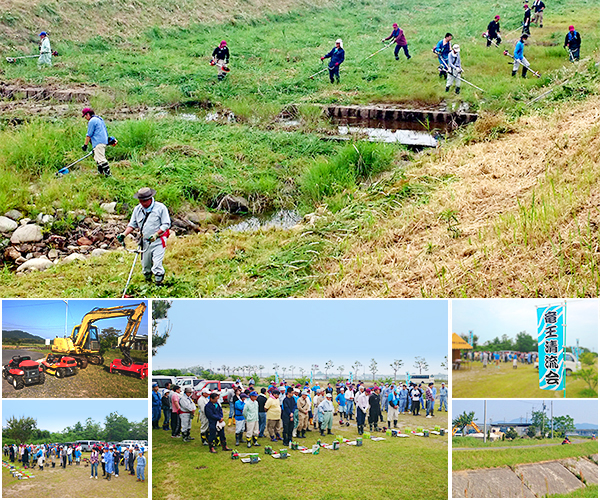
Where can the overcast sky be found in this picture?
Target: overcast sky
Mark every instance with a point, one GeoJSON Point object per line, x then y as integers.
{"type": "Point", "coordinates": [304, 332]}
{"type": "Point", "coordinates": [55, 415]}
{"type": "Point", "coordinates": [46, 318]}
{"type": "Point", "coordinates": [490, 318]}
{"type": "Point", "coordinates": [582, 410]}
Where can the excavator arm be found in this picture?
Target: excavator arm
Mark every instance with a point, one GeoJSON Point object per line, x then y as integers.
{"type": "Point", "coordinates": [128, 337]}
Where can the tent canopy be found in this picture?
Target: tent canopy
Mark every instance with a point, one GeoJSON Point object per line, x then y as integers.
{"type": "Point", "coordinates": [459, 343]}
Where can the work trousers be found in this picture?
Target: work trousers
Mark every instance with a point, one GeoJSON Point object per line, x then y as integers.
{"type": "Point", "coordinates": [252, 429]}
{"type": "Point", "coordinates": [167, 413]}
{"type": "Point", "coordinates": [327, 420]}
{"type": "Point", "coordinates": [94, 472]}
{"type": "Point", "coordinates": [360, 416]}
{"type": "Point", "coordinates": [273, 427]}
{"type": "Point", "coordinates": [443, 403]}
{"type": "Point", "coordinates": [302, 421]}
{"type": "Point", "coordinates": [288, 427]}
{"type": "Point", "coordinates": [349, 407]}
{"type": "Point", "coordinates": [186, 422]}
{"type": "Point", "coordinates": [453, 78]}
{"type": "Point", "coordinates": [152, 258]}
{"type": "Point", "coordinates": [538, 18]}
{"type": "Point", "coordinates": [334, 73]}
{"type": "Point", "coordinates": [262, 423]}
{"type": "Point", "coordinates": [430, 408]}
{"type": "Point", "coordinates": [140, 472]}
{"type": "Point", "coordinates": [397, 51]}
{"type": "Point", "coordinates": [392, 414]}
{"type": "Point", "coordinates": [175, 424]}
{"type": "Point", "coordinates": [415, 407]}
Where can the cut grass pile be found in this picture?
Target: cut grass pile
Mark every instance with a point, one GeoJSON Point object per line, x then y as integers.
{"type": "Point", "coordinates": [190, 466]}
{"type": "Point", "coordinates": [273, 56]}
{"type": "Point", "coordinates": [72, 482]}
{"type": "Point", "coordinates": [506, 382]}
{"type": "Point", "coordinates": [92, 382]}
{"type": "Point", "coordinates": [482, 459]}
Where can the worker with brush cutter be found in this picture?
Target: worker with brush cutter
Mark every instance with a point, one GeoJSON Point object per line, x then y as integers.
{"type": "Point", "coordinates": [519, 57]}
{"type": "Point", "coordinates": [526, 20]}
{"type": "Point", "coordinates": [454, 69]}
{"type": "Point", "coordinates": [220, 59]}
{"type": "Point", "coordinates": [493, 32]}
{"type": "Point", "coordinates": [45, 50]}
{"type": "Point", "coordinates": [573, 42]}
{"type": "Point", "coordinates": [152, 219]}
{"type": "Point", "coordinates": [98, 136]}
{"type": "Point", "coordinates": [336, 57]}
{"type": "Point", "coordinates": [442, 49]}
{"type": "Point", "coordinates": [401, 43]}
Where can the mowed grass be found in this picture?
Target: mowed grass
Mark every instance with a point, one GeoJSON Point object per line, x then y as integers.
{"type": "Point", "coordinates": [384, 469]}
{"type": "Point", "coordinates": [470, 442]}
{"type": "Point", "coordinates": [72, 482]}
{"type": "Point", "coordinates": [482, 459]}
{"type": "Point", "coordinates": [590, 491]}
{"type": "Point", "coordinates": [273, 56]}
{"type": "Point", "coordinates": [92, 382]}
{"type": "Point", "coordinates": [506, 382]}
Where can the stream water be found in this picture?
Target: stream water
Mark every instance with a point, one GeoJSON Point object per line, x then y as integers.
{"type": "Point", "coordinates": [281, 219]}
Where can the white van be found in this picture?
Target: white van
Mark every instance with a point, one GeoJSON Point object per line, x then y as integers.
{"type": "Point", "coordinates": [162, 380]}
{"type": "Point", "coordinates": [87, 445]}
{"type": "Point", "coordinates": [571, 364]}
{"type": "Point", "coordinates": [184, 382]}
{"type": "Point", "coordinates": [422, 379]}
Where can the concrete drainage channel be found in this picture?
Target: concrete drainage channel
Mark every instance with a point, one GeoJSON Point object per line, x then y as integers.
{"type": "Point", "coordinates": [526, 480]}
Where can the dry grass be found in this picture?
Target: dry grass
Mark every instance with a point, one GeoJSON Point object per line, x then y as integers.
{"type": "Point", "coordinates": [518, 217]}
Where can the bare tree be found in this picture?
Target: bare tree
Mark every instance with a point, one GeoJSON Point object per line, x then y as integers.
{"type": "Point", "coordinates": [292, 370]}
{"type": "Point", "coordinates": [224, 368]}
{"type": "Point", "coordinates": [396, 365]}
{"type": "Point", "coordinates": [328, 366]}
{"type": "Point", "coordinates": [275, 367]}
{"type": "Point", "coordinates": [283, 369]}
{"type": "Point", "coordinates": [445, 363]}
{"type": "Point", "coordinates": [373, 367]}
{"type": "Point", "coordinates": [357, 364]}
{"type": "Point", "coordinates": [341, 370]}
{"type": "Point", "coordinates": [420, 364]}
{"type": "Point", "coordinates": [301, 370]}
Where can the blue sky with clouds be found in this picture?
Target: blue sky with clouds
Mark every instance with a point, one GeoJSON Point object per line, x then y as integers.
{"type": "Point", "coordinates": [490, 318]}
{"type": "Point", "coordinates": [46, 318]}
{"type": "Point", "coordinates": [304, 332]}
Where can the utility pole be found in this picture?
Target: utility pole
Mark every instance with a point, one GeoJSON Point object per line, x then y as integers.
{"type": "Point", "coordinates": [552, 418]}
{"type": "Point", "coordinates": [66, 315]}
{"type": "Point", "coordinates": [484, 420]}
{"type": "Point", "coordinates": [543, 417]}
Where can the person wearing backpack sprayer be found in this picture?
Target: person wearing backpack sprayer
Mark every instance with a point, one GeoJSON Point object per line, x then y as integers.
{"type": "Point", "coordinates": [336, 56]}
{"type": "Point", "coordinates": [152, 219]}
{"type": "Point", "coordinates": [573, 42]}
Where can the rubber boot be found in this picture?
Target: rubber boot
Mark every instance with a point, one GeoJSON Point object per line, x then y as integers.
{"type": "Point", "coordinates": [395, 424]}
{"type": "Point", "coordinates": [277, 436]}
{"type": "Point", "coordinates": [514, 73]}
{"type": "Point", "coordinates": [184, 436]}
{"type": "Point", "coordinates": [108, 476]}
{"type": "Point", "coordinates": [370, 427]}
{"type": "Point", "coordinates": [224, 446]}
{"type": "Point", "coordinates": [228, 422]}
{"type": "Point", "coordinates": [255, 441]}
{"type": "Point", "coordinates": [148, 276]}
{"type": "Point", "coordinates": [361, 429]}
{"type": "Point", "coordinates": [389, 426]}
{"type": "Point", "coordinates": [204, 439]}
{"type": "Point", "coordinates": [159, 279]}
{"type": "Point", "coordinates": [237, 439]}
{"type": "Point", "coordinates": [321, 432]}
{"type": "Point", "coordinates": [329, 431]}
{"type": "Point", "coordinates": [304, 433]}
{"type": "Point", "coordinates": [524, 72]}
{"type": "Point", "coordinates": [248, 442]}
{"type": "Point", "coordinates": [447, 89]}
{"type": "Point", "coordinates": [457, 90]}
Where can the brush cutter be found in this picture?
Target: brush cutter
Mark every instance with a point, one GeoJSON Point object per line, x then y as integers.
{"type": "Point", "coordinates": [507, 53]}
{"type": "Point", "coordinates": [137, 253]}
{"type": "Point", "coordinates": [65, 170]}
{"type": "Point", "coordinates": [377, 52]}
{"type": "Point", "coordinates": [14, 59]}
{"type": "Point", "coordinates": [571, 56]}
{"type": "Point", "coordinates": [462, 79]}
{"type": "Point", "coordinates": [487, 37]}
{"type": "Point", "coordinates": [312, 77]}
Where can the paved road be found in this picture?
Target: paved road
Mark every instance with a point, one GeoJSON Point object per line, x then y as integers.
{"type": "Point", "coordinates": [574, 441]}
{"type": "Point", "coordinates": [7, 355]}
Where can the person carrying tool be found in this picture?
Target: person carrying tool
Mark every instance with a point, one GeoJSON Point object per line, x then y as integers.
{"type": "Point", "coordinates": [526, 20]}
{"type": "Point", "coordinates": [152, 219]}
{"type": "Point", "coordinates": [454, 69]}
{"type": "Point", "coordinates": [336, 56]}
{"type": "Point", "coordinates": [573, 42]}
{"type": "Point", "coordinates": [398, 36]}
{"type": "Point", "coordinates": [220, 59]}
{"type": "Point", "coordinates": [519, 57]}
{"type": "Point", "coordinates": [98, 136]}
{"type": "Point", "coordinates": [442, 49]}
{"type": "Point", "coordinates": [45, 50]}
{"type": "Point", "coordinates": [538, 12]}
{"type": "Point", "coordinates": [493, 31]}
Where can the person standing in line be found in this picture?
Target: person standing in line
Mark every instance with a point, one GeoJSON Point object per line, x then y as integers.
{"type": "Point", "coordinates": [443, 398]}
{"type": "Point", "coordinates": [362, 407]}
{"type": "Point", "coordinates": [93, 463]}
{"type": "Point", "coordinates": [187, 407]}
{"type": "Point", "coordinates": [273, 408]}
{"type": "Point", "coordinates": [141, 466]}
{"type": "Point", "coordinates": [262, 412]}
{"type": "Point", "coordinates": [287, 416]}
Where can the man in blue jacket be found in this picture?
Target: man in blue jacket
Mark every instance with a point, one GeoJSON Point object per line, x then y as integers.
{"type": "Point", "coordinates": [214, 414]}
{"type": "Point", "coordinates": [156, 406]}
{"type": "Point", "coordinates": [98, 136]}
{"type": "Point", "coordinates": [442, 49]}
{"type": "Point", "coordinates": [519, 59]}
{"type": "Point", "coordinates": [287, 416]}
{"type": "Point", "coordinates": [336, 56]}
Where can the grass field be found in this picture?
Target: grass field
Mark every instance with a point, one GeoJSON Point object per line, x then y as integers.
{"type": "Point", "coordinates": [482, 459]}
{"type": "Point", "coordinates": [385, 469]}
{"type": "Point", "coordinates": [590, 491]}
{"type": "Point", "coordinates": [506, 382]}
{"type": "Point", "coordinates": [503, 207]}
{"type": "Point", "coordinates": [72, 482]}
{"type": "Point", "coordinates": [469, 442]}
{"type": "Point", "coordinates": [93, 382]}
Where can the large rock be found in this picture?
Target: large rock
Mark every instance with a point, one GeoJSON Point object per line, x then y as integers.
{"type": "Point", "coordinates": [233, 204]}
{"type": "Point", "coordinates": [7, 225]}
{"type": "Point", "coordinates": [28, 233]}
{"type": "Point", "coordinates": [40, 264]}
{"type": "Point", "coordinates": [14, 215]}
{"type": "Point", "coordinates": [11, 253]}
{"type": "Point", "coordinates": [98, 252]}
{"type": "Point", "coordinates": [72, 257]}
{"type": "Point", "coordinates": [109, 207]}
{"type": "Point", "coordinates": [199, 216]}
{"type": "Point", "coordinates": [83, 241]}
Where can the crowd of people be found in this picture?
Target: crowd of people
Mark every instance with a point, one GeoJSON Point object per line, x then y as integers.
{"type": "Point", "coordinates": [283, 412]}
{"type": "Point", "coordinates": [497, 357]}
{"type": "Point", "coordinates": [107, 456]}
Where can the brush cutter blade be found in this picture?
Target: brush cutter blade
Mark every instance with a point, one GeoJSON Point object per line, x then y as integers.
{"type": "Point", "coordinates": [11, 60]}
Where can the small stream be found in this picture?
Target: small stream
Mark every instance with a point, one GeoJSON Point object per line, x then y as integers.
{"type": "Point", "coordinates": [281, 219]}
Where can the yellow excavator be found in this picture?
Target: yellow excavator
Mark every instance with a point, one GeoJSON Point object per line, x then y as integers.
{"type": "Point", "coordinates": [472, 424]}
{"type": "Point", "coordinates": [84, 343]}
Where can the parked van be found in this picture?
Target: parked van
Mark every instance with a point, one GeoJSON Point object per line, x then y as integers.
{"type": "Point", "coordinates": [87, 445]}
{"type": "Point", "coordinates": [422, 379]}
{"type": "Point", "coordinates": [571, 364]}
{"type": "Point", "coordinates": [162, 380]}
{"type": "Point", "coordinates": [184, 382]}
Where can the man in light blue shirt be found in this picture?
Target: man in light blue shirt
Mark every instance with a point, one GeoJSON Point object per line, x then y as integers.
{"type": "Point", "coordinates": [520, 57]}
{"type": "Point", "coordinates": [98, 136]}
{"type": "Point", "coordinates": [443, 398]}
{"type": "Point", "coordinates": [152, 219]}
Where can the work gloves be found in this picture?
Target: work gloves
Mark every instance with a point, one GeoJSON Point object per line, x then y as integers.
{"type": "Point", "coordinates": [322, 58]}
{"type": "Point", "coordinates": [153, 238]}
{"type": "Point", "coordinates": [84, 148]}
{"type": "Point", "coordinates": [121, 237]}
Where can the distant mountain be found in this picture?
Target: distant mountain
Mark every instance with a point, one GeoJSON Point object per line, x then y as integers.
{"type": "Point", "coordinates": [20, 335]}
{"type": "Point", "coordinates": [586, 426]}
